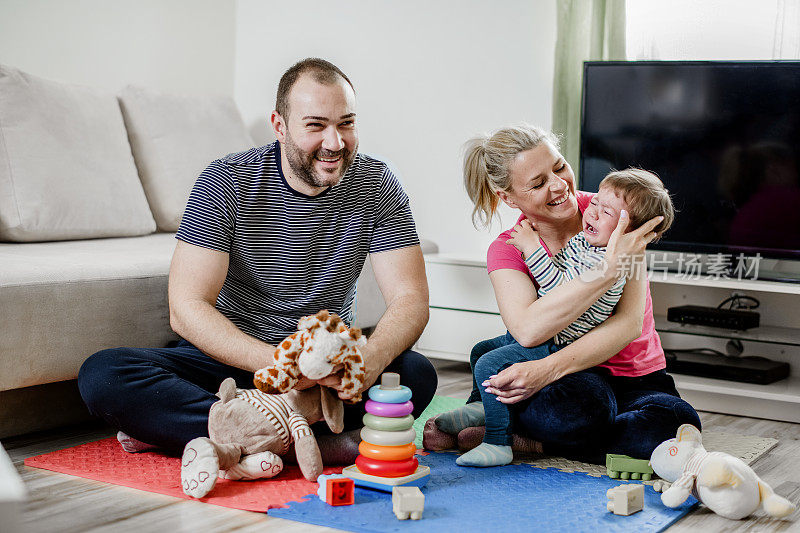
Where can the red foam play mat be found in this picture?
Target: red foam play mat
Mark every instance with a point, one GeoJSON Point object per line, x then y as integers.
{"type": "Point", "coordinates": [104, 460]}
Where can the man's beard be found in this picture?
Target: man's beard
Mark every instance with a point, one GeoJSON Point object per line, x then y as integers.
{"type": "Point", "coordinates": [302, 164]}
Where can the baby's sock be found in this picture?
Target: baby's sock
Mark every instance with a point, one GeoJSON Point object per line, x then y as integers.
{"type": "Point", "coordinates": [487, 455]}
{"type": "Point", "coordinates": [463, 417]}
{"type": "Point", "coordinates": [341, 449]}
{"type": "Point", "coordinates": [131, 445]}
{"type": "Point", "coordinates": [435, 439]}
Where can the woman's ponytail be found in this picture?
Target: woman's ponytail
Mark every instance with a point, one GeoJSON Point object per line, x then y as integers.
{"type": "Point", "coordinates": [478, 182]}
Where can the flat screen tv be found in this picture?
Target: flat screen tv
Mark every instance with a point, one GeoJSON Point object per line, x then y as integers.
{"type": "Point", "coordinates": [724, 137]}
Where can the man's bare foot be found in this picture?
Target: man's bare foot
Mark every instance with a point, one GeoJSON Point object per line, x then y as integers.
{"type": "Point", "coordinates": [435, 439]}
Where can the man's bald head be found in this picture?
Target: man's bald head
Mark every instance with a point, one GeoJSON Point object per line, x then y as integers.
{"type": "Point", "coordinates": [321, 71]}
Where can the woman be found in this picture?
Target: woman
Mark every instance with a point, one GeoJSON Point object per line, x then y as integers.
{"type": "Point", "coordinates": [607, 392]}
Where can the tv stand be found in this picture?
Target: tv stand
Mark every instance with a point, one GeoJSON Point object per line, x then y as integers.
{"type": "Point", "coordinates": [463, 311]}
{"type": "Point", "coordinates": [778, 338]}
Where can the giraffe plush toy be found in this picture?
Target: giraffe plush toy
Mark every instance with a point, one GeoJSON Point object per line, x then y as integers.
{"type": "Point", "coordinates": [321, 343]}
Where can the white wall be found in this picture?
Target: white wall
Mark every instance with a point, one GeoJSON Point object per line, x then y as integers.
{"type": "Point", "coordinates": [428, 75]}
{"type": "Point", "coordinates": [177, 46]}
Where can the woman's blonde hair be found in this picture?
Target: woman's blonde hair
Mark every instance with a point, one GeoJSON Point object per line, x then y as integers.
{"type": "Point", "coordinates": [486, 161]}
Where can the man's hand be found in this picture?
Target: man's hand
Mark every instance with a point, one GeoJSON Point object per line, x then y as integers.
{"type": "Point", "coordinates": [372, 373]}
{"type": "Point", "coordinates": [520, 381]}
{"type": "Point", "coordinates": [305, 383]}
{"type": "Point", "coordinates": [524, 238]}
{"type": "Point", "coordinates": [372, 367]}
{"type": "Point", "coordinates": [332, 380]}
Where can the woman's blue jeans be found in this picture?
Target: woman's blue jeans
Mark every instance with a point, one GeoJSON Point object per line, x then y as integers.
{"type": "Point", "coordinates": [498, 415]}
{"type": "Point", "coordinates": [590, 413]}
{"type": "Point", "coordinates": [162, 395]}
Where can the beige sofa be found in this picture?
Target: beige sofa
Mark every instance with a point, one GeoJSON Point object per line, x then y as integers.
{"type": "Point", "coordinates": [92, 188]}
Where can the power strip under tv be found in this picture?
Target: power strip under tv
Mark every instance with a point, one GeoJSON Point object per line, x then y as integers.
{"type": "Point", "coordinates": [714, 317]}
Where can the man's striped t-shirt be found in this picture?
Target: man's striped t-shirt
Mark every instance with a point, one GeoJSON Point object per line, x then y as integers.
{"type": "Point", "coordinates": [574, 259]}
{"type": "Point", "coordinates": [290, 254]}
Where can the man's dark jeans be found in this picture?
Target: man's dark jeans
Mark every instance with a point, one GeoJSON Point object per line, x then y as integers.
{"type": "Point", "coordinates": [162, 396]}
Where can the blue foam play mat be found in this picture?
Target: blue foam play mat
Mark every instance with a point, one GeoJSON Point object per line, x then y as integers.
{"type": "Point", "coordinates": [506, 498]}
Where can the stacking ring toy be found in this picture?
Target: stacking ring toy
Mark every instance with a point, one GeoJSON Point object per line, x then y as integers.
{"type": "Point", "coordinates": [388, 424]}
{"type": "Point", "coordinates": [378, 394]}
{"type": "Point", "coordinates": [389, 409]}
{"type": "Point", "coordinates": [373, 467]}
{"type": "Point", "coordinates": [387, 453]}
{"type": "Point", "coordinates": [388, 438]}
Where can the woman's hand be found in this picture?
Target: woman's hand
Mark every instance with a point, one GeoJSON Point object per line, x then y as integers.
{"type": "Point", "coordinates": [520, 381]}
{"type": "Point", "coordinates": [524, 238]}
{"type": "Point", "coordinates": [623, 247]}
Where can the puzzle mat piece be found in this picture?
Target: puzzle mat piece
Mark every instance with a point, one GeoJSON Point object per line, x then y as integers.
{"type": "Point", "coordinates": [478, 499]}
{"type": "Point", "coordinates": [748, 448]}
{"type": "Point", "coordinates": [104, 460]}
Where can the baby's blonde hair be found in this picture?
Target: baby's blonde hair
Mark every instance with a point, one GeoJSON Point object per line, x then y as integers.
{"type": "Point", "coordinates": [645, 195]}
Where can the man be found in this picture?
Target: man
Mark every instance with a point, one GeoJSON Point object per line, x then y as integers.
{"type": "Point", "coordinates": [270, 235]}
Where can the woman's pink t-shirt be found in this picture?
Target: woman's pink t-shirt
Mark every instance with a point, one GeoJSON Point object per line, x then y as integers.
{"type": "Point", "coordinates": [642, 356]}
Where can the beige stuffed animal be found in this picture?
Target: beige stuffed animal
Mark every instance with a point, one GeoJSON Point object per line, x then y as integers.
{"type": "Point", "coordinates": [725, 484]}
{"type": "Point", "coordinates": [249, 431]}
{"type": "Point", "coordinates": [321, 343]}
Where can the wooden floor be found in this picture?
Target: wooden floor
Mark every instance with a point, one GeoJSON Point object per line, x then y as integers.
{"type": "Point", "coordinates": [63, 503]}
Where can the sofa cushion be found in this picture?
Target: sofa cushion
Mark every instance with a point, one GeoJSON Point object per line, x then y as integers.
{"type": "Point", "coordinates": [173, 139]}
{"type": "Point", "coordinates": [63, 301]}
{"type": "Point", "coordinates": [66, 169]}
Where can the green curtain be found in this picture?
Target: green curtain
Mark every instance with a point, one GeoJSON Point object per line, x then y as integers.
{"type": "Point", "coordinates": [588, 30]}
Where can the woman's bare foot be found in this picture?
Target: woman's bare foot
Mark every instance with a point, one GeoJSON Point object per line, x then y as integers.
{"type": "Point", "coordinates": [469, 438]}
{"type": "Point", "coordinates": [455, 420]}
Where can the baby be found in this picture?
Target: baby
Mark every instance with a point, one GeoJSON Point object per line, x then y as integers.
{"type": "Point", "coordinates": [636, 191]}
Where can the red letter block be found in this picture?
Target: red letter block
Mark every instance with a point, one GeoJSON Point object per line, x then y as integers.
{"type": "Point", "coordinates": [340, 491]}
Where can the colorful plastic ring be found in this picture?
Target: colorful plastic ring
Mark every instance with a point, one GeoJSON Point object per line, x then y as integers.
{"type": "Point", "coordinates": [388, 438]}
{"type": "Point", "coordinates": [387, 453]}
{"type": "Point", "coordinates": [401, 395]}
{"type": "Point", "coordinates": [374, 467]}
{"type": "Point", "coordinates": [384, 423]}
{"type": "Point", "coordinates": [389, 409]}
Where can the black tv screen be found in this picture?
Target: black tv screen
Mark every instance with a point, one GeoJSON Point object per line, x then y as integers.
{"type": "Point", "coordinates": [724, 137]}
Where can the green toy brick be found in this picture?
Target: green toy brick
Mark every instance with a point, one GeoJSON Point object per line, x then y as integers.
{"type": "Point", "coordinates": [625, 467]}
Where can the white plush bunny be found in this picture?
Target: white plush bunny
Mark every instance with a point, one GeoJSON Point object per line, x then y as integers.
{"type": "Point", "coordinates": [722, 482]}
